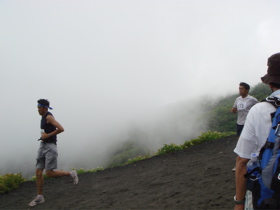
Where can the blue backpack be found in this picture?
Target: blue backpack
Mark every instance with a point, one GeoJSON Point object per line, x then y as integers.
{"type": "Point", "coordinates": [266, 188]}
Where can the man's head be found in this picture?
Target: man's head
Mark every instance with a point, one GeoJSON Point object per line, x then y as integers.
{"type": "Point", "coordinates": [244, 89]}
{"type": "Point", "coordinates": [43, 106]}
{"type": "Point", "coordinates": [273, 71]}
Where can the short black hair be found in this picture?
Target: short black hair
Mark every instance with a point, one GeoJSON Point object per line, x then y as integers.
{"type": "Point", "coordinates": [44, 102]}
{"type": "Point", "coordinates": [245, 85]}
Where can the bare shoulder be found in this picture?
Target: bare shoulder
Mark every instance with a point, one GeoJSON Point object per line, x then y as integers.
{"type": "Point", "coordinates": [50, 116]}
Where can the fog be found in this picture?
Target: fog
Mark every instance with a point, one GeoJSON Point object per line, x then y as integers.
{"type": "Point", "coordinates": [119, 69]}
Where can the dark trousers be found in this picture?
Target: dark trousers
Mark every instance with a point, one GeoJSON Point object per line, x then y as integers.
{"type": "Point", "coordinates": [239, 129]}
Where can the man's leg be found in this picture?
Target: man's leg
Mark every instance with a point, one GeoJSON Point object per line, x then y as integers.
{"type": "Point", "coordinates": [39, 181]}
{"type": "Point", "coordinates": [52, 174]}
{"type": "Point", "coordinates": [39, 184]}
{"type": "Point", "coordinates": [239, 130]}
{"type": "Point", "coordinates": [51, 164]}
{"type": "Point", "coordinates": [73, 174]}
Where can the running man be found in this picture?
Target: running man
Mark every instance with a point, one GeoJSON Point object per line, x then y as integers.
{"type": "Point", "coordinates": [47, 153]}
{"type": "Point", "coordinates": [242, 105]}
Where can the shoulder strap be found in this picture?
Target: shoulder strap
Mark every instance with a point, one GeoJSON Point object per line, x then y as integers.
{"type": "Point", "coordinates": [275, 117]}
{"type": "Point", "coordinates": [275, 101]}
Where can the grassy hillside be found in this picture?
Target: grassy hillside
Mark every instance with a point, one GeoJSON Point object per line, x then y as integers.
{"type": "Point", "coordinates": [217, 115]}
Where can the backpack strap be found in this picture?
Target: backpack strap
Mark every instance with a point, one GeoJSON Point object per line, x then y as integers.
{"type": "Point", "coordinates": [274, 101]}
{"type": "Point", "coordinates": [248, 174]}
{"type": "Point", "coordinates": [268, 145]}
{"type": "Point", "coordinates": [271, 101]}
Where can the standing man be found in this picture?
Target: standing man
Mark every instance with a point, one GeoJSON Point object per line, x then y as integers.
{"type": "Point", "coordinates": [255, 133]}
{"type": "Point", "coordinates": [47, 153]}
{"type": "Point", "coordinates": [242, 105]}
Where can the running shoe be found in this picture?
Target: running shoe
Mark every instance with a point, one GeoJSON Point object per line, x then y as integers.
{"type": "Point", "coordinates": [74, 176]}
{"type": "Point", "coordinates": [36, 201]}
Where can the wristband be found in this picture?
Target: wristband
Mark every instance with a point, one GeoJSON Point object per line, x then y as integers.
{"type": "Point", "coordinates": [239, 202]}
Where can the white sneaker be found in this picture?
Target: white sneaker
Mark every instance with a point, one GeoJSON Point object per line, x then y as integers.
{"type": "Point", "coordinates": [74, 176]}
{"type": "Point", "coordinates": [37, 200]}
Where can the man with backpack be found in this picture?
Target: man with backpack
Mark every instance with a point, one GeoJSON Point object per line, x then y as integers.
{"type": "Point", "coordinates": [253, 138]}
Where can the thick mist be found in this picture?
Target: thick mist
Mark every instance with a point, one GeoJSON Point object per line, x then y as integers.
{"type": "Point", "coordinates": [89, 144]}
{"type": "Point", "coordinates": [120, 70]}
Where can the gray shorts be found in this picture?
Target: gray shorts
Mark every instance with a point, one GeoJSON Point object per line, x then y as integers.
{"type": "Point", "coordinates": [47, 156]}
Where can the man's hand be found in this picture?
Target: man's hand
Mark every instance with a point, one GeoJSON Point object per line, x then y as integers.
{"type": "Point", "coordinates": [233, 110]}
{"type": "Point", "coordinates": [44, 136]}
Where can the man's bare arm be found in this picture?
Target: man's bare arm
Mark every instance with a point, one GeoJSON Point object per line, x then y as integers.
{"type": "Point", "coordinates": [240, 180]}
{"type": "Point", "coordinates": [59, 128]}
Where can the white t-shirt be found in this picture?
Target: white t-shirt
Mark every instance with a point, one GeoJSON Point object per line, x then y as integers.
{"type": "Point", "coordinates": [255, 131]}
{"type": "Point", "coordinates": [243, 105]}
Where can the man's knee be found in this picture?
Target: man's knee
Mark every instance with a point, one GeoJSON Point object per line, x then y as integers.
{"type": "Point", "coordinates": [49, 173]}
{"type": "Point", "coordinates": [39, 172]}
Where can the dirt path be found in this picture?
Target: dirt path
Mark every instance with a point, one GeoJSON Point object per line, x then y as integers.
{"type": "Point", "coordinates": [198, 178]}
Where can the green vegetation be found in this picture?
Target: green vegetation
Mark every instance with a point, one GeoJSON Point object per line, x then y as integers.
{"type": "Point", "coordinates": [137, 159]}
{"type": "Point", "coordinates": [128, 150]}
{"type": "Point", "coordinates": [260, 91]}
{"type": "Point", "coordinates": [207, 136]}
{"type": "Point", "coordinates": [219, 119]}
{"type": "Point", "coordinates": [169, 148]}
{"type": "Point", "coordinates": [9, 182]}
{"type": "Point", "coordinates": [81, 170]}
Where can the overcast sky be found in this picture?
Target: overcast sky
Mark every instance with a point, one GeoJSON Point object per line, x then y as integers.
{"type": "Point", "coordinates": [103, 63]}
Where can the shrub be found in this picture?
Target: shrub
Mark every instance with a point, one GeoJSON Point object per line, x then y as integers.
{"type": "Point", "coordinates": [137, 159]}
{"type": "Point", "coordinates": [210, 135]}
{"type": "Point", "coordinates": [127, 151]}
{"type": "Point", "coordinates": [9, 182]}
{"type": "Point", "coordinates": [168, 148]}
{"type": "Point", "coordinates": [81, 170]}
{"type": "Point", "coordinates": [206, 136]}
